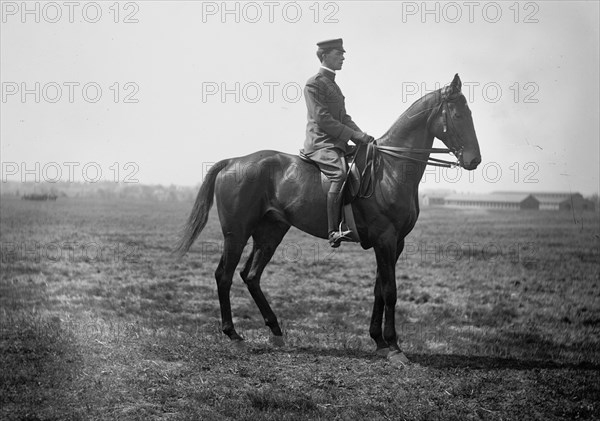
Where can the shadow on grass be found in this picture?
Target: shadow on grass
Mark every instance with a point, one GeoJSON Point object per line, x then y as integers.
{"type": "Point", "coordinates": [318, 352]}
{"type": "Point", "coordinates": [444, 361]}
{"type": "Point", "coordinates": [439, 361]}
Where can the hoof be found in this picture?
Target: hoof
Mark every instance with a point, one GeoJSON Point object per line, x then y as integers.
{"type": "Point", "coordinates": [277, 341]}
{"type": "Point", "coordinates": [398, 359]}
{"type": "Point", "coordinates": [239, 344]}
{"type": "Point", "coordinates": [382, 352]}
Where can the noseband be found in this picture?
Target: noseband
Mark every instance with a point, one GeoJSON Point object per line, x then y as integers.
{"type": "Point", "coordinates": [396, 151]}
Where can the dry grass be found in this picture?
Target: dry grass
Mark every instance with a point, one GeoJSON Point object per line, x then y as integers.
{"type": "Point", "coordinates": [498, 311]}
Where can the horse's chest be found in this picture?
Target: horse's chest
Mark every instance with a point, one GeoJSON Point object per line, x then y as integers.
{"type": "Point", "coordinates": [404, 219]}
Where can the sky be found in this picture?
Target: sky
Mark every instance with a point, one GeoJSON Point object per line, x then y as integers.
{"type": "Point", "coordinates": [155, 92]}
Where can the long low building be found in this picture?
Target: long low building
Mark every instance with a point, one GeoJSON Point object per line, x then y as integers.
{"type": "Point", "coordinates": [510, 200]}
{"type": "Point", "coordinates": [559, 200]}
{"type": "Point", "coordinates": [493, 201]}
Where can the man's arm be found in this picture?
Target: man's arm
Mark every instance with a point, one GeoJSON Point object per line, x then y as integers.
{"type": "Point", "coordinates": [348, 122]}
{"type": "Point", "coordinates": [359, 136]}
{"type": "Point", "coordinates": [319, 112]}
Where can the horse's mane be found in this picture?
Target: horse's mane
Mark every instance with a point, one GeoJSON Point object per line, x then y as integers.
{"type": "Point", "coordinates": [415, 110]}
{"type": "Point", "coordinates": [438, 94]}
{"type": "Point", "coordinates": [418, 108]}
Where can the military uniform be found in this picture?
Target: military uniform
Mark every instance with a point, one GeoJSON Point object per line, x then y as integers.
{"type": "Point", "coordinates": [329, 127]}
{"type": "Point", "coordinates": [328, 130]}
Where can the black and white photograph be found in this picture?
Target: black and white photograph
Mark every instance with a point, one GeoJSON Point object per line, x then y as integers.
{"type": "Point", "coordinates": [299, 210]}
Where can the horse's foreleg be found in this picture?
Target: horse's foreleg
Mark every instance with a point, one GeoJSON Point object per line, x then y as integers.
{"type": "Point", "coordinates": [375, 329]}
{"type": "Point", "coordinates": [387, 254]}
{"type": "Point", "coordinates": [386, 269]}
{"type": "Point", "coordinates": [266, 239]}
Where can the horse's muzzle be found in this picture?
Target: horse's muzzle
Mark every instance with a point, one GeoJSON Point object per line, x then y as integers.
{"type": "Point", "coordinates": [470, 161]}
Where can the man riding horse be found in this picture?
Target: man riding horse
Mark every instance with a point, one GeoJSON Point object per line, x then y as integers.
{"type": "Point", "coordinates": [329, 129]}
{"type": "Point", "coordinates": [266, 205]}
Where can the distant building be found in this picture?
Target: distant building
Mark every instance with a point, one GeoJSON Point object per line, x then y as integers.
{"type": "Point", "coordinates": [432, 200]}
{"type": "Point", "coordinates": [434, 197]}
{"type": "Point", "coordinates": [511, 201]}
{"type": "Point", "coordinates": [558, 200]}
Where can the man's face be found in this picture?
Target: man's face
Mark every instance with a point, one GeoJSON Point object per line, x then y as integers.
{"type": "Point", "coordinates": [333, 59]}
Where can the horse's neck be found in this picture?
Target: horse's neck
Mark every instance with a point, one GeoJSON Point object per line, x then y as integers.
{"type": "Point", "coordinates": [410, 131]}
{"type": "Point", "coordinates": [407, 137]}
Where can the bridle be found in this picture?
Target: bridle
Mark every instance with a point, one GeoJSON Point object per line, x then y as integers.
{"type": "Point", "coordinates": [442, 107]}
{"type": "Point", "coordinates": [399, 152]}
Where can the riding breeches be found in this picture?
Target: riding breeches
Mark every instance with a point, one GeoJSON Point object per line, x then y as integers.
{"type": "Point", "coordinates": [331, 162]}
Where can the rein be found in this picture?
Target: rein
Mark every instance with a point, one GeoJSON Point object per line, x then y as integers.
{"type": "Point", "coordinates": [400, 151]}
{"type": "Point", "coordinates": [397, 151]}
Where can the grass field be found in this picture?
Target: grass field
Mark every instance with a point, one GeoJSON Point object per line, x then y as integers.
{"type": "Point", "coordinates": [499, 313]}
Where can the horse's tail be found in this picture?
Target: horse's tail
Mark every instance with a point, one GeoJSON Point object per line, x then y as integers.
{"type": "Point", "coordinates": [199, 215]}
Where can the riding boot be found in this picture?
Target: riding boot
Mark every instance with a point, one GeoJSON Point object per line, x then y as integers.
{"type": "Point", "coordinates": [334, 217]}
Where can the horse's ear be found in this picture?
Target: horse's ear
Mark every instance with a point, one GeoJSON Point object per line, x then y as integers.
{"type": "Point", "coordinates": [456, 83]}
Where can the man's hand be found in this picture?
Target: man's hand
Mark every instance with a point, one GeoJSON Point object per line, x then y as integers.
{"type": "Point", "coordinates": [360, 137]}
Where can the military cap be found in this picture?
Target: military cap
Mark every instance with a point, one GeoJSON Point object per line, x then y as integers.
{"type": "Point", "coordinates": [332, 43]}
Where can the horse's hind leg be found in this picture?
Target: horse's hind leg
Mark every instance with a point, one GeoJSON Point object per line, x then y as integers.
{"type": "Point", "coordinates": [232, 251]}
{"type": "Point", "coordinates": [267, 237]}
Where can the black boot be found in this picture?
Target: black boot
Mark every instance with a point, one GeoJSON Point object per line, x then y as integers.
{"type": "Point", "coordinates": [334, 217]}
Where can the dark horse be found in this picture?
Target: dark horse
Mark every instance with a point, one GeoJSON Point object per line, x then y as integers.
{"type": "Point", "coordinates": [254, 202]}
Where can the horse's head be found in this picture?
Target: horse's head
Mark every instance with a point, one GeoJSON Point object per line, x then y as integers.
{"type": "Point", "coordinates": [451, 122]}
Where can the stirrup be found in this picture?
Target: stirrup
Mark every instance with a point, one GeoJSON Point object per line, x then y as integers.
{"type": "Point", "coordinates": [336, 237]}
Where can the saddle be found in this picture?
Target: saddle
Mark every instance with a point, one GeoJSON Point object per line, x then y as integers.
{"type": "Point", "coordinates": [359, 182]}
{"type": "Point", "coordinates": [360, 173]}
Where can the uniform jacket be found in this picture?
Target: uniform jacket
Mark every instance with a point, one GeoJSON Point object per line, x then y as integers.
{"type": "Point", "coordinates": [328, 124]}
